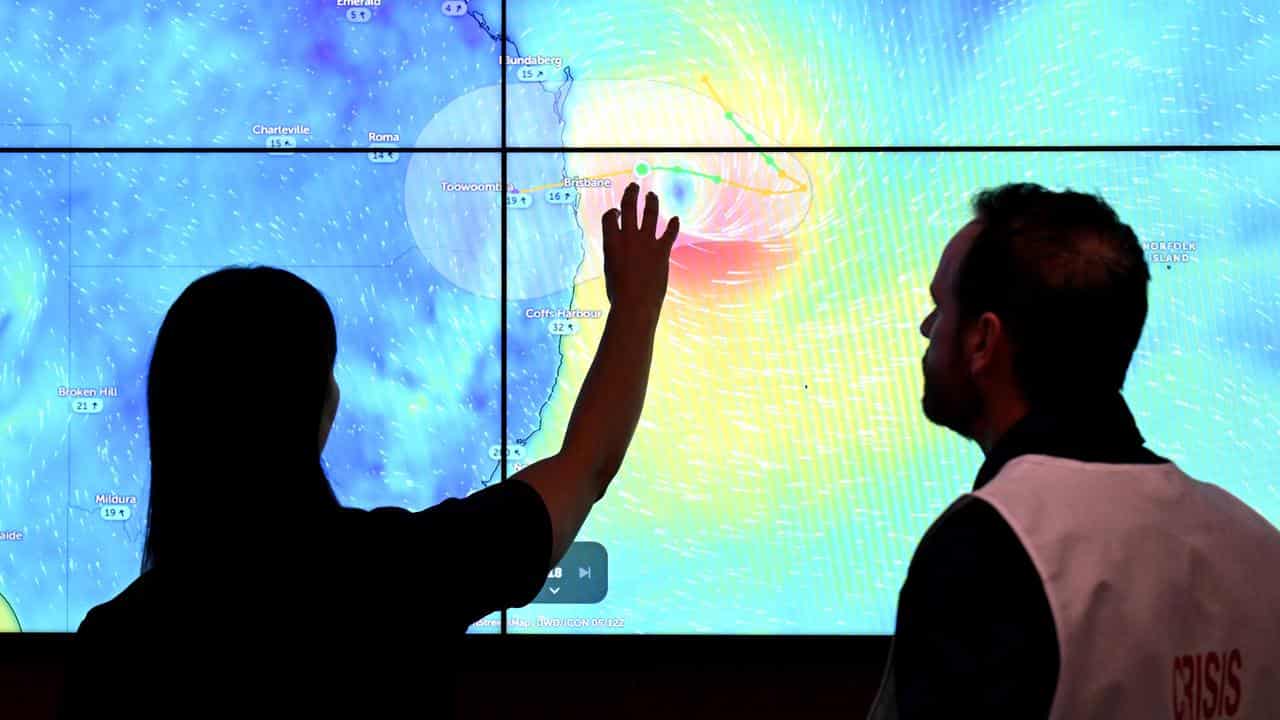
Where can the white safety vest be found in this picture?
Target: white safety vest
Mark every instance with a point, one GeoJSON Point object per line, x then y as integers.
{"type": "Point", "coordinates": [1165, 590]}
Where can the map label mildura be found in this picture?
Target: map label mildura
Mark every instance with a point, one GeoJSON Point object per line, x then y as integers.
{"type": "Point", "coordinates": [113, 499]}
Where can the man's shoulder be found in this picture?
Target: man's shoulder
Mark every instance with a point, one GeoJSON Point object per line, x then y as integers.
{"type": "Point", "coordinates": [1052, 474]}
{"type": "Point", "coordinates": [972, 547]}
{"type": "Point", "coordinates": [974, 611]}
{"type": "Point", "coordinates": [968, 522]}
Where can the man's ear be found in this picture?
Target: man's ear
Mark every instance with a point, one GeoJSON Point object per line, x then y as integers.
{"type": "Point", "coordinates": [982, 339]}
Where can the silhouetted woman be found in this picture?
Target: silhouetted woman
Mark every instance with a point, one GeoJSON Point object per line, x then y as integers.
{"type": "Point", "coordinates": [260, 593]}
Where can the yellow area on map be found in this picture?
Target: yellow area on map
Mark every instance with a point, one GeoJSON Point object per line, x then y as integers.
{"type": "Point", "coordinates": [8, 619]}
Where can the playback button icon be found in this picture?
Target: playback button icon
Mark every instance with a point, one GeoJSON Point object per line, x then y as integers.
{"type": "Point", "coordinates": [581, 577]}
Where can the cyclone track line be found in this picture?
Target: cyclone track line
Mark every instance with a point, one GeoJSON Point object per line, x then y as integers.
{"type": "Point", "coordinates": [797, 186]}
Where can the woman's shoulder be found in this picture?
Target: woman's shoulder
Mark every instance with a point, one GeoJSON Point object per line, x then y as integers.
{"type": "Point", "coordinates": [109, 649]}
{"type": "Point", "coordinates": [121, 610]}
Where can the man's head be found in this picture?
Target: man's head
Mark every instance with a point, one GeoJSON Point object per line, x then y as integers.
{"type": "Point", "coordinates": [1040, 299]}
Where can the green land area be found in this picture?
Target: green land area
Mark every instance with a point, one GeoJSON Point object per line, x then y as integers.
{"type": "Point", "coordinates": [8, 619]}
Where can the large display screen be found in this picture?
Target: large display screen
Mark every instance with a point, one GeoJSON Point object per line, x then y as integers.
{"type": "Point", "coordinates": [350, 73]}
{"type": "Point", "coordinates": [819, 155]}
{"type": "Point", "coordinates": [783, 471]}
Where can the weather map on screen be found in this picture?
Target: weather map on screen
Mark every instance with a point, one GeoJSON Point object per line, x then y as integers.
{"type": "Point", "coordinates": [97, 248]}
{"type": "Point", "coordinates": [825, 73]}
{"type": "Point", "coordinates": [782, 472]}
{"type": "Point", "coordinates": [304, 74]}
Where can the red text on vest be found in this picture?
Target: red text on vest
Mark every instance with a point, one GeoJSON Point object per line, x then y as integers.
{"type": "Point", "coordinates": [1207, 685]}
